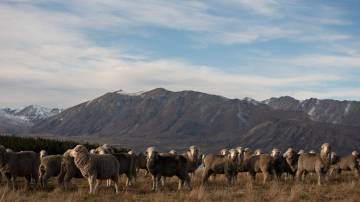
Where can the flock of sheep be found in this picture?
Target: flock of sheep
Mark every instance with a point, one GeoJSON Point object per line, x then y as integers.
{"type": "Point", "coordinates": [107, 163]}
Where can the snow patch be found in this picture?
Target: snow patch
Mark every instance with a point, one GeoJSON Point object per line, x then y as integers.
{"type": "Point", "coordinates": [311, 111]}
{"type": "Point", "coordinates": [347, 109]}
{"type": "Point", "coordinates": [122, 92]}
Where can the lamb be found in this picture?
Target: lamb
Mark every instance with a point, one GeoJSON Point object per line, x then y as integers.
{"type": "Point", "coordinates": [19, 164]}
{"type": "Point", "coordinates": [168, 166]}
{"type": "Point", "coordinates": [219, 164]}
{"type": "Point", "coordinates": [50, 166]}
{"type": "Point", "coordinates": [314, 163]}
{"type": "Point", "coordinates": [96, 167]}
{"type": "Point", "coordinates": [345, 163]}
{"type": "Point", "coordinates": [68, 170]}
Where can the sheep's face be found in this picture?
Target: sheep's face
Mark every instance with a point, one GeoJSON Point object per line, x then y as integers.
{"type": "Point", "coordinates": [233, 153]}
{"type": "Point", "coordinates": [325, 148]}
{"type": "Point", "coordinates": [151, 153]}
{"type": "Point", "coordinates": [258, 152]}
{"type": "Point", "coordinates": [275, 153]}
{"type": "Point", "coordinates": [43, 153]}
{"type": "Point", "coordinates": [92, 151]}
{"type": "Point", "coordinates": [355, 153]}
{"type": "Point", "coordinates": [194, 152]}
{"type": "Point", "coordinates": [239, 149]}
{"type": "Point", "coordinates": [78, 149]}
{"type": "Point", "coordinates": [224, 152]}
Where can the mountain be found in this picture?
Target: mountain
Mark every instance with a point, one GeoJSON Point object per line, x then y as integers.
{"type": "Point", "coordinates": [305, 135]}
{"type": "Point", "coordinates": [15, 121]}
{"type": "Point", "coordinates": [164, 118]}
{"type": "Point", "coordinates": [328, 111]}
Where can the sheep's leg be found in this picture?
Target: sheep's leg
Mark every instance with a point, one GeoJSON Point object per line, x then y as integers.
{"type": "Point", "coordinates": [13, 183]}
{"type": "Point", "coordinates": [266, 177]}
{"type": "Point", "coordinates": [28, 181]}
{"type": "Point", "coordinates": [188, 182]}
{"type": "Point", "coordinates": [181, 182]}
{"type": "Point", "coordinates": [8, 180]}
{"type": "Point", "coordinates": [116, 184]}
{"type": "Point", "coordinates": [157, 180]}
{"type": "Point", "coordinates": [252, 176]}
{"type": "Point", "coordinates": [90, 181]}
{"type": "Point", "coordinates": [299, 173]}
{"type": "Point", "coordinates": [153, 183]}
{"type": "Point", "coordinates": [206, 175]}
{"type": "Point", "coordinates": [163, 179]}
{"type": "Point", "coordinates": [97, 183]}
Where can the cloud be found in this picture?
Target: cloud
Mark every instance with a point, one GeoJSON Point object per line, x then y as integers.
{"type": "Point", "coordinates": [47, 57]}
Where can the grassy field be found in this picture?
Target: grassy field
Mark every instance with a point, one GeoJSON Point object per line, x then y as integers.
{"type": "Point", "coordinates": [343, 188]}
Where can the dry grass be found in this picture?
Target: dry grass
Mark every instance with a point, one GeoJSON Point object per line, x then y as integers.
{"type": "Point", "coordinates": [341, 189]}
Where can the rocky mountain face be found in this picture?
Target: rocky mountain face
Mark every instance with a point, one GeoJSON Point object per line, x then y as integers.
{"type": "Point", "coordinates": [15, 121]}
{"type": "Point", "coordinates": [160, 117]}
{"type": "Point", "coordinates": [328, 111]}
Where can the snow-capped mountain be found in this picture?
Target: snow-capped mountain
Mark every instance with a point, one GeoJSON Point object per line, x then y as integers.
{"type": "Point", "coordinates": [18, 120]}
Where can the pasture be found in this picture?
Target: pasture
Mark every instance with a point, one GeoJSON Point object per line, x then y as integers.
{"type": "Point", "coordinates": [337, 188]}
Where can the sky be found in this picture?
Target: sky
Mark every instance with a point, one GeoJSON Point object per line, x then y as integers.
{"type": "Point", "coordinates": [59, 53]}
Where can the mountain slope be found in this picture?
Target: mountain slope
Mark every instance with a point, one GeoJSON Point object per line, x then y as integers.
{"type": "Point", "coordinates": [160, 116]}
{"type": "Point", "coordinates": [302, 135]}
{"type": "Point", "coordinates": [328, 111]}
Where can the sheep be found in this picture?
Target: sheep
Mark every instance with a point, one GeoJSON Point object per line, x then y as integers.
{"type": "Point", "coordinates": [50, 166]}
{"type": "Point", "coordinates": [19, 164]}
{"type": "Point", "coordinates": [68, 170]}
{"type": "Point", "coordinates": [96, 167]}
{"type": "Point", "coordinates": [314, 163]}
{"type": "Point", "coordinates": [168, 166]}
{"type": "Point", "coordinates": [285, 163]}
{"type": "Point", "coordinates": [258, 163]}
{"type": "Point", "coordinates": [345, 163]}
{"type": "Point", "coordinates": [193, 158]}
{"type": "Point", "coordinates": [220, 164]}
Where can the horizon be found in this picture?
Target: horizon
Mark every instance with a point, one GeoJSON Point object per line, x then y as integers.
{"type": "Point", "coordinates": [141, 92]}
{"type": "Point", "coordinates": [60, 53]}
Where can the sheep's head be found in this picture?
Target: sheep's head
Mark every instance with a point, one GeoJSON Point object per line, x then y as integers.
{"type": "Point", "coordinates": [224, 152]}
{"type": "Point", "coordinates": [151, 153]}
{"type": "Point", "coordinates": [131, 152]}
{"type": "Point", "coordinates": [239, 150]}
{"type": "Point", "coordinates": [355, 153]}
{"type": "Point", "coordinates": [79, 149]}
{"type": "Point", "coordinates": [258, 152]}
{"type": "Point", "coordinates": [43, 153]}
{"type": "Point", "coordinates": [275, 153]}
{"type": "Point", "coordinates": [67, 153]}
{"type": "Point", "coordinates": [92, 151]}
{"type": "Point", "coordinates": [233, 154]}
{"type": "Point", "coordinates": [193, 152]}
{"type": "Point", "coordinates": [325, 149]}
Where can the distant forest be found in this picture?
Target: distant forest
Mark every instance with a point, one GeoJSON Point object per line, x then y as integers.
{"type": "Point", "coordinates": [36, 144]}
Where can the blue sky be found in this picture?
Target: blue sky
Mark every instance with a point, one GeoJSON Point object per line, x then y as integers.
{"type": "Point", "coordinates": [61, 53]}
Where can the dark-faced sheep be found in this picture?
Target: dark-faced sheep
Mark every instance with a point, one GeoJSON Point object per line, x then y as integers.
{"type": "Point", "coordinates": [96, 167]}
{"type": "Point", "coordinates": [19, 164]}
{"type": "Point", "coordinates": [68, 170]}
{"type": "Point", "coordinates": [50, 166]}
{"type": "Point", "coordinates": [221, 164]}
{"type": "Point", "coordinates": [345, 163]}
{"type": "Point", "coordinates": [314, 163]}
{"type": "Point", "coordinates": [168, 166]}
